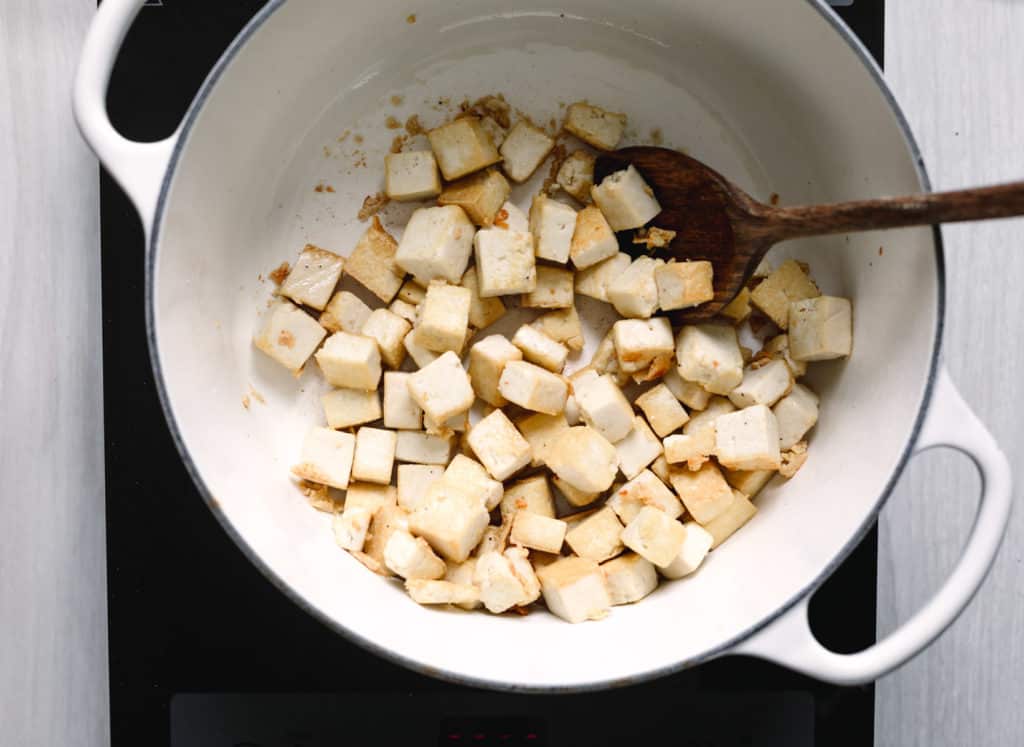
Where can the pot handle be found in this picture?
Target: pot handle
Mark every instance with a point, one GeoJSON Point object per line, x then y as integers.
{"type": "Point", "coordinates": [788, 640]}
{"type": "Point", "coordinates": [138, 167]}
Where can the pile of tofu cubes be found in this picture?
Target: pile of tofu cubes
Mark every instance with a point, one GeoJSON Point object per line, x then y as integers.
{"type": "Point", "coordinates": [473, 467]}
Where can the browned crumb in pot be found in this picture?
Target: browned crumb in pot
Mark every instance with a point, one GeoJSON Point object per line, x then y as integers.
{"type": "Point", "coordinates": [501, 219]}
{"type": "Point", "coordinates": [357, 138]}
{"type": "Point", "coordinates": [328, 188]}
{"type": "Point", "coordinates": [319, 188]}
{"type": "Point", "coordinates": [398, 143]}
{"type": "Point", "coordinates": [372, 205]}
{"type": "Point", "coordinates": [558, 154]}
{"type": "Point", "coordinates": [411, 18]}
{"type": "Point", "coordinates": [397, 100]}
{"type": "Point", "coordinates": [793, 459]}
{"type": "Point", "coordinates": [392, 123]}
{"type": "Point", "coordinates": [656, 136]}
{"type": "Point", "coordinates": [245, 402]}
{"type": "Point", "coordinates": [413, 126]}
{"type": "Point", "coordinates": [774, 199]}
{"type": "Point", "coordinates": [256, 395]}
{"type": "Point", "coordinates": [278, 274]}
{"type": "Point", "coordinates": [344, 136]}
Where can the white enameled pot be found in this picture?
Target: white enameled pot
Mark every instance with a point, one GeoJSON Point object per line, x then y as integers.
{"type": "Point", "coordinates": [778, 96]}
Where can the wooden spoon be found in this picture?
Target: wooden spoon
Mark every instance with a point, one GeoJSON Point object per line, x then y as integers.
{"type": "Point", "coordinates": [717, 221]}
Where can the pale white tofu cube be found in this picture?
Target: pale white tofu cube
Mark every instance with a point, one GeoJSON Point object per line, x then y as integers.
{"type": "Point", "coordinates": [442, 389]}
{"type": "Point", "coordinates": [629, 578]}
{"type": "Point", "coordinates": [748, 439]}
{"type": "Point", "coordinates": [643, 490]}
{"type": "Point", "coordinates": [344, 408]}
{"type": "Point", "coordinates": [428, 591]}
{"type": "Point", "coordinates": [639, 341]}
{"type": "Point", "coordinates": [775, 293]}
{"type": "Point", "coordinates": [554, 289]}
{"type": "Point", "coordinates": [480, 195]}
{"type": "Point", "coordinates": [820, 328]}
{"type": "Point", "coordinates": [763, 385]}
{"type": "Point", "coordinates": [350, 361]}
{"type": "Point", "coordinates": [373, 262]}
{"type": "Point", "coordinates": [313, 277]}
{"type": "Point", "coordinates": [512, 218]}
{"type": "Point", "coordinates": [634, 293]}
{"type": "Point", "coordinates": [345, 312]}
{"type": "Point", "coordinates": [524, 149]}
{"type": "Point", "coordinates": [456, 423]}
{"type": "Point", "coordinates": [796, 413]}
{"type": "Point", "coordinates": [582, 457]}
{"type": "Point", "coordinates": [326, 457]}
{"type": "Point", "coordinates": [576, 174]}
{"type": "Point", "coordinates": [693, 449]}
{"type": "Point", "coordinates": [422, 448]}
{"type": "Point", "coordinates": [596, 536]}
{"type": "Point", "coordinates": [451, 519]}
{"type": "Point", "coordinates": [593, 241]}
{"type": "Point", "coordinates": [444, 317]}
{"type": "Point", "coordinates": [351, 526]}
{"type": "Point", "coordinates": [552, 224]}
{"type": "Point", "coordinates": [412, 292]}
{"type": "Point", "coordinates": [562, 325]}
{"type": "Point", "coordinates": [723, 526]}
{"type": "Point", "coordinates": [504, 262]}
{"type": "Point", "coordinates": [500, 586]}
{"type": "Point", "coordinates": [374, 455]}
{"type": "Point", "coordinates": [704, 492]}
{"type": "Point", "coordinates": [289, 335]}
{"type": "Point", "coordinates": [574, 589]}
{"type": "Point", "coordinates": [400, 410]}
{"type": "Point", "coordinates": [696, 545]}
{"type": "Point", "coordinates": [411, 557]}
{"type": "Point", "coordinates": [625, 199]}
{"type": "Point", "coordinates": [472, 476]}
{"type": "Point", "coordinates": [487, 359]}
{"type": "Point", "coordinates": [684, 284]}
{"type": "Point", "coordinates": [594, 125]}
{"type": "Point", "coordinates": [709, 354]}
{"type": "Point", "coordinates": [373, 497]}
{"type": "Point", "coordinates": [483, 312]}
{"type": "Point", "coordinates": [540, 431]}
{"type": "Point", "coordinates": [538, 348]}
{"type": "Point", "coordinates": [417, 352]}
{"type": "Point", "coordinates": [531, 494]}
{"type": "Point", "coordinates": [691, 394]}
{"type": "Point", "coordinates": [739, 307]}
{"type": "Point", "coordinates": [662, 410]}
{"type": "Point", "coordinates": [574, 496]}
{"type": "Point", "coordinates": [462, 147]}
{"type": "Point", "coordinates": [499, 446]}
{"type": "Point", "coordinates": [436, 244]}
{"type": "Point", "coordinates": [405, 310]}
{"type": "Point", "coordinates": [537, 532]}
{"type": "Point", "coordinates": [411, 175]}
{"type": "Point", "coordinates": [414, 480]}
{"type": "Point", "coordinates": [603, 406]}
{"type": "Point", "coordinates": [779, 346]}
{"type": "Point", "coordinates": [533, 388]}
{"type": "Point", "coordinates": [638, 449]}
{"type": "Point", "coordinates": [705, 419]}
{"type": "Point", "coordinates": [654, 535]}
{"type": "Point", "coordinates": [389, 331]}
{"type": "Point", "coordinates": [461, 573]}
{"type": "Point", "coordinates": [749, 482]}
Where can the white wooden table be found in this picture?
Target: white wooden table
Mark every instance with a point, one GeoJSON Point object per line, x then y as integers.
{"type": "Point", "coordinates": [955, 65]}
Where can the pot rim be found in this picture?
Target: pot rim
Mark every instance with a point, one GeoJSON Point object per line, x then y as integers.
{"type": "Point", "coordinates": [870, 518]}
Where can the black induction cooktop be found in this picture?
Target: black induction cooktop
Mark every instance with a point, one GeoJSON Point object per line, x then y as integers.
{"type": "Point", "coordinates": [204, 651]}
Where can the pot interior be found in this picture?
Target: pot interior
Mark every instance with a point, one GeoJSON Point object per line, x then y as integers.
{"type": "Point", "coordinates": [770, 94]}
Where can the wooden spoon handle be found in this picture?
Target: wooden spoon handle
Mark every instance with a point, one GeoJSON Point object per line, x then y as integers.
{"type": "Point", "coordinates": [1002, 201]}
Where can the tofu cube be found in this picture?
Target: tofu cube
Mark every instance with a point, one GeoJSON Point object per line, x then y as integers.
{"type": "Point", "coordinates": [406, 311]}
{"type": "Point", "coordinates": [411, 176]}
{"type": "Point", "coordinates": [436, 244]}
{"type": "Point", "coordinates": [696, 544]}
{"type": "Point", "coordinates": [483, 312]}
{"type": "Point", "coordinates": [472, 476]}
{"type": "Point", "coordinates": [562, 325]}
{"type": "Point", "coordinates": [634, 293]}
{"type": "Point", "coordinates": [344, 408]}
{"type": "Point", "coordinates": [584, 459]}
{"type": "Point", "coordinates": [552, 224]}
{"type": "Point", "coordinates": [345, 312]}
{"type": "Point", "coordinates": [487, 359]}
{"type": "Point", "coordinates": [326, 457]}
{"type": "Point", "coordinates": [775, 293]}
{"type": "Point", "coordinates": [374, 455]}
{"type": "Point", "coordinates": [520, 559]}
{"type": "Point", "coordinates": [705, 493]}
{"type": "Point", "coordinates": [820, 329]}
{"type": "Point", "coordinates": [629, 578]}
{"type": "Point", "coordinates": [554, 289]}
{"type": "Point", "coordinates": [654, 535]}
{"type": "Point", "coordinates": [531, 494]}
{"type": "Point", "coordinates": [428, 591]}
{"type": "Point", "coordinates": [462, 147]}
{"type": "Point", "coordinates": [417, 352]}
{"type": "Point", "coordinates": [444, 317]}
{"type": "Point", "coordinates": [660, 469]}
{"type": "Point", "coordinates": [723, 526]}
{"type": "Point", "coordinates": [499, 446]}
{"type": "Point", "coordinates": [574, 589]}
{"type": "Point", "coordinates": [593, 240]}
{"type": "Point", "coordinates": [374, 262]}
{"type": "Point", "coordinates": [537, 532]}
{"type": "Point", "coordinates": [540, 431]}
{"type": "Point", "coordinates": [576, 174]}
{"type": "Point", "coordinates": [795, 414]}
{"type": "Point", "coordinates": [640, 341]}
{"type": "Point", "coordinates": [763, 385]}
{"type": "Point", "coordinates": [387, 519]}
{"type": "Point", "coordinates": [603, 406]}
{"type": "Point", "coordinates": [313, 277]}
{"type": "Point", "coordinates": [693, 449]}
{"type": "Point", "coordinates": [625, 199]}
{"type": "Point", "coordinates": [442, 389]}
{"type": "Point", "coordinates": [462, 573]}
{"type": "Point", "coordinates": [662, 410]}
{"type": "Point", "coordinates": [289, 335]}
{"type": "Point", "coordinates": [422, 448]}
{"type": "Point", "coordinates": [494, 130]}
{"type": "Point", "coordinates": [494, 539]}
{"type": "Point", "coordinates": [540, 349]}
{"type": "Point", "coordinates": [501, 588]}
{"type": "Point", "coordinates": [480, 195]}
{"type": "Point", "coordinates": [596, 537]}
{"type": "Point", "coordinates": [411, 557]}
{"type": "Point", "coordinates": [705, 419]}
{"type": "Point", "coordinates": [451, 519]}
{"type": "Point", "coordinates": [504, 262]}
{"type": "Point", "coordinates": [738, 308]}
{"type": "Point", "coordinates": [350, 361]}
{"type": "Point", "coordinates": [748, 439]}
{"type": "Point", "coordinates": [778, 346]}
{"type": "Point", "coordinates": [400, 410]}
{"type": "Point", "coordinates": [412, 292]}
{"type": "Point", "coordinates": [684, 284]}
{"type": "Point", "coordinates": [644, 490]}
{"type": "Point", "coordinates": [574, 496]}
{"type": "Point", "coordinates": [749, 482]}
{"type": "Point", "coordinates": [373, 497]}
{"type": "Point", "coordinates": [691, 394]}
{"type": "Point", "coordinates": [594, 125]}
{"type": "Point", "coordinates": [533, 387]}
{"type": "Point", "coordinates": [638, 449]}
{"type": "Point", "coordinates": [414, 480]}
{"type": "Point", "coordinates": [350, 528]}
{"type": "Point", "coordinates": [709, 354]}
{"type": "Point", "coordinates": [524, 149]}
{"type": "Point", "coordinates": [389, 331]}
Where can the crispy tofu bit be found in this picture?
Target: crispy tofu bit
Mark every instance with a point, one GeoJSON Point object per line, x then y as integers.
{"type": "Point", "coordinates": [373, 262]}
{"type": "Point", "coordinates": [313, 277]}
{"type": "Point", "coordinates": [524, 149]}
{"type": "Point", "coordinates": [480, 195]}
{"type": "Point", "coordinates": [595, 126]}
{"type": "Point", "coordinates": [775, 293]}
{"type": "Point", "coordinates": [575, 590]}
{"type": "Point", "coordinates": [576, 174]}
{"type": "Point", "coordinates": [411, 176]}
{"type": "Point", "coordinates": [462, 147]}
{"type": "Point", "coordinates": [289, 335]}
